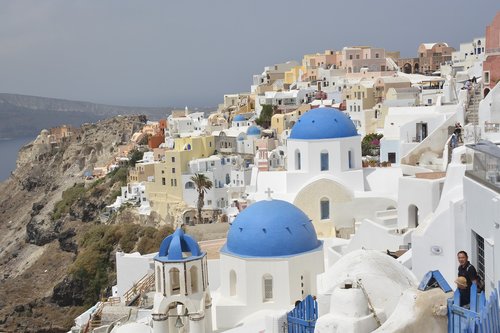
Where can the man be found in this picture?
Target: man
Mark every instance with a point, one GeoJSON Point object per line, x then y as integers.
{"type": "Point", "coordinates": [469, 272]}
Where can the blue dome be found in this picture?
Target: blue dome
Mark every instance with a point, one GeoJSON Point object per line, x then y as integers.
{"type": "Point", "coordinates": [239, 117]}
{"type": "Point", "coordinates": [174, 246]}
{"type": "Point", "coordinates": [271, 228]}
{"type": "Point", "coordinates": [253, 130]}
{"type": "Point", "coordinates": [323, 123]}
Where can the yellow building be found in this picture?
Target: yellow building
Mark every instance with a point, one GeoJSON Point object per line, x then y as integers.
{"type": "Point", "coordinates": [293, 75]}
{"type": "Point", "coordinates": [284, 121]}
{"type": "Point", "coordinates": [166, 190]}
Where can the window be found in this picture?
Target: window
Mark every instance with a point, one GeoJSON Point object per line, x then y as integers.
{"type": "Point", "coordinates": [209, 202]}
{"type": "Point", "coordinates": [349, 159]}
{"type": "Point", "coordinates": [297, 160]}
{"type": "Point", "coordinates": [173, 159]}
{"type": "Point", "coordinates": [158, 279]}
{"type": "Point", "coordinates": [267, 284]}
{"type": "Point", "coordinates": [175, 286]}
{"type": "Point", "coordinates": [376, 55]}
{"type": "Point", "coordinates": [189, 186]}
{"type": "Point", "coordinates": [350, 56]}
{"type": "Point", "coordinates": [359, 108]}
{"type": "Point", "coordinates": [324, 161]}
{"type": "Point", "coordinates": [175, 182]}
{"type": "Point", "coordinates": [173, 170]}
{"type": "Point", "coordinates": [232, 283]}
{"type": "Point", "coordinates": [487, 77]}
{"type": "Point", "coordinates": [325, 208]}
{"type": "Point", "coordinates": [163, 181]}
{"type": "Point", "coordinates": [478, 241]}
{"type": "Point", "coordinates": [193, 272]}
{"type": "Point", "coordinates": [391, 157]}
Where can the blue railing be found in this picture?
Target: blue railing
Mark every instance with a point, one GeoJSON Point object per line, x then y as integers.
{"type": "Point", "coordinates": [302, 318]}
{"type": "Point", "coordinates": [483, 316]}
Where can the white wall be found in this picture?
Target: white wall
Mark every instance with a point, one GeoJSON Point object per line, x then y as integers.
{"type": "Point", "coordinates": [130, 268]}
{"type": "Point", "coordinates": [286, 273]}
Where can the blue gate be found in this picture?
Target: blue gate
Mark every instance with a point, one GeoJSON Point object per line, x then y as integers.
{"type": "Point", "coordinates": [482, 317]}
{"type": "Point", "coordinates": [302, 318]}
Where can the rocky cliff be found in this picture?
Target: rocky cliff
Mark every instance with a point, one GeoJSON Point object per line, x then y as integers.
{"type": "Point", "coordinates": [46, 209]}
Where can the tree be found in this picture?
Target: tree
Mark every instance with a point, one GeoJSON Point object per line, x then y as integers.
{"type": "Point", "coordinates": [134, 156]}
{"type": "Point", "coordinates": [265, 116]}
{"type": "Point", "coordinates": [203, 184]}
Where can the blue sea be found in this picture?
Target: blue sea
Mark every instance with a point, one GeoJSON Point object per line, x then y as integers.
{"type": "Point", "coordinates": [8, 155]}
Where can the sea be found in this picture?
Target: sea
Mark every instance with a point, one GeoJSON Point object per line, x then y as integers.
{"type": "Point", "coordinates": [8, 155]}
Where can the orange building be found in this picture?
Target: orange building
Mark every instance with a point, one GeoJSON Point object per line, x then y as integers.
{"type": "Point", "coordinates": [159, 137]}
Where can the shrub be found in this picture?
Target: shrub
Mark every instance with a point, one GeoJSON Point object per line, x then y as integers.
{"type": "Point", "coordinates": [69, 197]}
{"type": "Point", "coordinates": [94, 264]}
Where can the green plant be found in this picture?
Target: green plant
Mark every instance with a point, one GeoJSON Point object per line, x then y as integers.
{"type": "Point", "coordinates": [134, 156]}
{"type": "Point", "coordinates": [370, 144]}
{"type": "Point", "coordinates": [68, 198]}
{"type": "Point", "coordinates": [265, 116]}
{"type": "Point", "coordinates": [94, 265]}
{"type": "Point", "coordinates": [202, 184]}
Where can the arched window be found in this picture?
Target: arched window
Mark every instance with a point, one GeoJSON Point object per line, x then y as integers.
{"type": "Point", "coordinates": [232, 283]}
{"type": "Point", "coordinates": [267, 288]}
{"type": "Point", "coordinates": [324, 160]}
{"type": "Point", "coordinates": [175, 286]}
{"type": "Point", "coordinates": [193, 272]}
{"type": "Point", "coordinates": [189, 186]}
{"type": "Point", "coordinates": [297, 160]}
{"type": "Point", "coordinates": [324, 206]}
{"type": "Point", "coordinates": [158, 279]}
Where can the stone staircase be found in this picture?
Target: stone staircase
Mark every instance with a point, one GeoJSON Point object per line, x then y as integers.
{"type": "Point", "coordinates": [471, 112]}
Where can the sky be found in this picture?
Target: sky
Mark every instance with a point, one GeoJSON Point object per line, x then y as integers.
{"type": "Point", "coordinates": [191, 53]}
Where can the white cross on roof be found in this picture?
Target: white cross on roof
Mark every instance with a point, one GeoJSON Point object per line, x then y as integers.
{"type": "Point", "coordinates": [269, 192]}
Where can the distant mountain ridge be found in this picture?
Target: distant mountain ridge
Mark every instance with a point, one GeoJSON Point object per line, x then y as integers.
{"type": "Point", "coordinates": [26, 116]}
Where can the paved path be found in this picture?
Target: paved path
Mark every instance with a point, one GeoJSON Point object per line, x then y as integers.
{"type": "Point", "coordinates": [212, 247]}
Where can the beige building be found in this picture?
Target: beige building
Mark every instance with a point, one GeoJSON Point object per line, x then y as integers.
{"type": "Point", "coordinates": [383, 84]}
{"type": "Point", "coordinates": [166, 189]}
{"type": "Point", "coordinates": [432, 55]}
{"type": "Point", "coordinates": [142, 172]}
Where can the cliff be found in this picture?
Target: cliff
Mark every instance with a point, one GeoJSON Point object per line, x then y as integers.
{"type": "Point", "coordinates": [55, 256]}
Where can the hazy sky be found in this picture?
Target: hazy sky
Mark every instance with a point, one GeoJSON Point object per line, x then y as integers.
{"type": "Point", "coordinates": [176, 53]}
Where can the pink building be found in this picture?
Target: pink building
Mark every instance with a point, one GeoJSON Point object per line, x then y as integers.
{"type": "Point", "coordinates": [352, 59]}
{"type": "Point", "coordinates": [491, 66]}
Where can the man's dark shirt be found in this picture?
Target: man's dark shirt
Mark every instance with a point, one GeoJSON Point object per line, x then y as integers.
{"type": "Point", "coordinates": [469, 272]}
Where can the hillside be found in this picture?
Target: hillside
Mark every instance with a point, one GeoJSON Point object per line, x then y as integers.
{"type": "Point", "coordinates": [26, 116]}
{"type": "Point", "coordinates": [56, 257]}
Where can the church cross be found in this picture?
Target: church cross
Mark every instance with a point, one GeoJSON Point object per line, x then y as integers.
{"type": "Point", "coordinates": [269, 192]}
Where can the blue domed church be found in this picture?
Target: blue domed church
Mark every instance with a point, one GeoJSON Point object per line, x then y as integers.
{"type": "Point", "coordinates": [182, 297]}
{"type": "Point", "coordinates": [270, 260]}
{"type": "Point", "coordinates": [324, 171]}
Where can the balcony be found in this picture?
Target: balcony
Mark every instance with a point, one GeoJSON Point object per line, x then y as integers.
{"type": "Point", "coordinates": [483, 164]}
